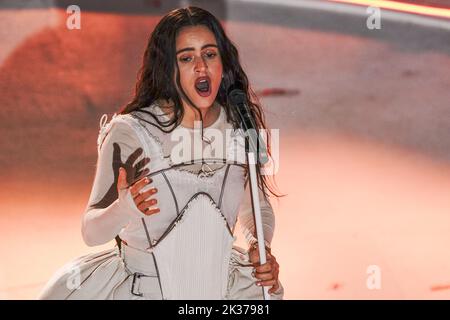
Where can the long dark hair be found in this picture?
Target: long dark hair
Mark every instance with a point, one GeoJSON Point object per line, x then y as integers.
{"type": "Point", "coordinates": [155, 80]}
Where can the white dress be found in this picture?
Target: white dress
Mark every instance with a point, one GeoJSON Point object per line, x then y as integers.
{"type": "Point", "coordinates": [186, 250]}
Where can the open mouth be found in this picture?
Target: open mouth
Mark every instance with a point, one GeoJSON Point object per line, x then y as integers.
{"type": "Point", "coordinates": [203, 86]}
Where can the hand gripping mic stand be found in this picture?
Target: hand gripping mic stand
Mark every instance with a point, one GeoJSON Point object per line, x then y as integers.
{"type": "Point", "coordinates": [237, 99]}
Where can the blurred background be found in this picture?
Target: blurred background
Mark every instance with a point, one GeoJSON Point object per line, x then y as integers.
{"type": "Point", "coordinates": [362, 104]}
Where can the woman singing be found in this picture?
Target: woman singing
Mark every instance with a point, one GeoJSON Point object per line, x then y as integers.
{"type": "Point", "coordinates": [171, 209]}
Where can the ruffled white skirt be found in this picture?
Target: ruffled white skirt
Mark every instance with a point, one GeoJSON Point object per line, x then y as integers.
{"type": "Point", "coordinates": [195, 260]}
{"type": "Point", "coordinates": [124, 274]}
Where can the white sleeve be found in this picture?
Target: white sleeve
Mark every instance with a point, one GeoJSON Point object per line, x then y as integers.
{"type": "Point", "coordinates": [108, 212]}
{"type": "Point", "coordinates": [247, 221]}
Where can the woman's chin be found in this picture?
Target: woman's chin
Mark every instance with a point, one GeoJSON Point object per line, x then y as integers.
{"type": "Point", "coordinates": [204, 102]}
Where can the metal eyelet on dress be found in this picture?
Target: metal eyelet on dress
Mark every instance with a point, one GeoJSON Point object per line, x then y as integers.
{"type": "Point", "coordinates": [136, 275]}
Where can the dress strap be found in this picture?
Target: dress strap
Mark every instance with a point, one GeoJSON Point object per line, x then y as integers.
{"type": "Point", "coordinates": [223, 186]}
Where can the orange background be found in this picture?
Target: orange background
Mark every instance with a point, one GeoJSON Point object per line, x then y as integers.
{"type": "Point", "coordinates": [364, 140]}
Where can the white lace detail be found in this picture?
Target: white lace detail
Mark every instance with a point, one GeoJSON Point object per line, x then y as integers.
{"type": "Point", "coordinates": [153, 137]}
{"type": "Point", "coordinates": [203, 174]}
{"type": "Point", "coordinates": [183, 174]}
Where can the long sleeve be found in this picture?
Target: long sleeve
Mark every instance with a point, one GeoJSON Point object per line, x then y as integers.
{"type": "Point", "coordinates": [247, 220]}
{"type": "Point", "coordinates": [107, 211]}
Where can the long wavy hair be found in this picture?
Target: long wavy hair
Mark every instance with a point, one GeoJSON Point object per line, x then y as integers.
{"type": "Point", "coordinates": [159, 68]}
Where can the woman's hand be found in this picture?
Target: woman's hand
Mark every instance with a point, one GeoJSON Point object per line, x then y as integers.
{"type": "Point", "coordinates": [134, 171]}
{"type": "Point", "coordinates": [142, 199]}
{"type": "Point", "coordinates": [266, 273]}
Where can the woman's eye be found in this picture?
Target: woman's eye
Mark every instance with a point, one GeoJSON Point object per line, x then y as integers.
{"type": "Point", "coordinates": [185, 59]}
{"type": "Point", "coordinates": [211, 54]}
{"type": "Point", "coordinates": [208, 55]}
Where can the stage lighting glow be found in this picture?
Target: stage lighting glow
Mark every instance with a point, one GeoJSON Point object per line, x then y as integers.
{"type": "Point", "coordinates": [399, 6]}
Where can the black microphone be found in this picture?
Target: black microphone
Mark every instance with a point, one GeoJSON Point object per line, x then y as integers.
{"type": "Point", "coordinates": [238, 99]}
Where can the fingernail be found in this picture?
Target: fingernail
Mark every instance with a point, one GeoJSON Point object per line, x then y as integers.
{"type": "Point", "coordinates": [258, 284]}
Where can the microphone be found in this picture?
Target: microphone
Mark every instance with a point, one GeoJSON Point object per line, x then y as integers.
{"type": "Point", "coordinates": [238, 99]}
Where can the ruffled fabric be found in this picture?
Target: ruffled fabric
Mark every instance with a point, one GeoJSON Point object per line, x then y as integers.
{"type": "Point", "coordinates": [241, 283]}
{"type": "Point", "coordinates": [107, 275]}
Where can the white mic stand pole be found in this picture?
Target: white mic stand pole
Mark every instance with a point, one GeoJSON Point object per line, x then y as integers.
{"type": "Point", "coordinates": [251, 161]}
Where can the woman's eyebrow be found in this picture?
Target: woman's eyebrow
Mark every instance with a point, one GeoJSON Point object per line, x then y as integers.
{"type": "Point", "coordinates": [192, 49]}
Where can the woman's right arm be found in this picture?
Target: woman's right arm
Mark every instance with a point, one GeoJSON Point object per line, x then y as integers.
{"type": "Point", "coordinates": [110, 210]}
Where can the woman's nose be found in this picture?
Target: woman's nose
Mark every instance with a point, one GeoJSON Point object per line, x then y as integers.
{"type": "Point", "coordinates": [200, 65]}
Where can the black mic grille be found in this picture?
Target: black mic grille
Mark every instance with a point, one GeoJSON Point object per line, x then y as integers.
{"type": "Point", "coordinates": [238, 99]}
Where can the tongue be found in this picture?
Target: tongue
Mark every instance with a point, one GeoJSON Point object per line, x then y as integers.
{"type": "Point", "coordinates": [202, 86]}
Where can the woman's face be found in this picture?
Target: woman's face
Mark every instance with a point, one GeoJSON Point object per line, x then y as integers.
{"type": "Point", "coordinates": [200, 65]}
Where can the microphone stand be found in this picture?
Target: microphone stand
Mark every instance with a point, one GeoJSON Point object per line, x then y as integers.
{"type": "Point", "coordinates": [237, 97]}
{"type": "Point", "coordinates": [251, 161]}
